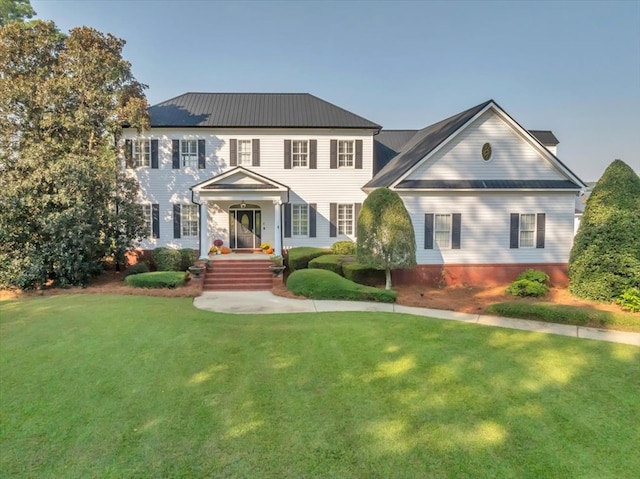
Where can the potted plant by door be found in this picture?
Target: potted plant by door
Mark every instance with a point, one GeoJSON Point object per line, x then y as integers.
{"type": "Point", "coordinates": [277, 267]}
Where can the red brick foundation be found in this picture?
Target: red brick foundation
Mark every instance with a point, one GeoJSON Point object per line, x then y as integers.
{"type": "Point", "coordinates": [476, 274]}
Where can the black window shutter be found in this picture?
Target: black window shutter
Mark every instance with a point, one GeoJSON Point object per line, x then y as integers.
{"type": "Point", "coordinates": [514, 231]}
{"type": "Point", "coordinates": [175, 145]}
{"type": "Point", "coordinates": [540, 227]}
{"type": "Point", "coordinates": [128, 153]}
{"type": "Point", "coordinates": [333, 220]}
{"type": "Point", "coordinates": [202, 155]}
{"type": "Point", "coordinates": [313, 208]}
{"type": "Point", "coordinates": [313, 154]}
{"type": "Point", "coordinates": [154, 154]}
{"type": "Point", "coordinates": [358, 154]}
{"type": "Point", "coordinates": [333, 155]}
{"type": "Point", "coordinates": [176, 221]}
{"type": "Point", "coordinates": [428, 231]}
{"type": "Point", "coordinates": [287, 220]}
{"type": "Point", "coordinates": [255, 152]}
{"type": "Point", "coordinates": [287, 154]}
{"type": "Point", "coordinates": [456, 226]}
{"type": "Point", "coordinates": [356, 215]}
{"type": "Point", "coordinates": [233, 152]}
{"type": "Point", "coordinates": [155, 220]}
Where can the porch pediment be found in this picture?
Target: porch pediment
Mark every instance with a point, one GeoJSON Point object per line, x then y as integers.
{"type": "Point", "coordinates": [239, 180]}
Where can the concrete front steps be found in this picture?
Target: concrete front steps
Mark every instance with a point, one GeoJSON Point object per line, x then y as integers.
{"type": "Point", "coordinates": [238, 275]}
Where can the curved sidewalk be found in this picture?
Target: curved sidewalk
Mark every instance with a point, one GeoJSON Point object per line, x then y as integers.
{"type": "Point", "coordinates": [265, 302]}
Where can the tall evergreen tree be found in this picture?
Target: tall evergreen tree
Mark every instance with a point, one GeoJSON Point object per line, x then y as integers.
{"type": "Point", "coordinates": [386, 239]}
{"type": "Point", "coordinates": [605, 259]}
{"type": "Point", "coordinates": [64, 204]}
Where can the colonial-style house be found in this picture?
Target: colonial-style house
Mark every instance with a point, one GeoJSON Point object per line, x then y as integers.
{"type": "Point", "coordinates": [487, 197]}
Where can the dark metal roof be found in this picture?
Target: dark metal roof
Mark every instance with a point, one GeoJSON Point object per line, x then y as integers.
{"type": "Point", "coordinates": [387, 144]}
{"type": "Point", "coordinates": [239, 187]}
{"type": "Point", "coordinates": [546, 137]}
{"type": "Point", "coordinates": [255, 110]}
{"type": "Point", "coordinates": [488, 184]}
{"type": "Point", "coordinates": [420, 145]}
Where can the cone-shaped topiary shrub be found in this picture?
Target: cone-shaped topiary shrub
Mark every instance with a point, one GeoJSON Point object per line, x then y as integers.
{"type": "Point", "coordinates": [605, 259]}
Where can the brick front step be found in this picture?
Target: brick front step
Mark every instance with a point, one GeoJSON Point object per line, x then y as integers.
{"type": "Point", "coordinates": [238, 275]}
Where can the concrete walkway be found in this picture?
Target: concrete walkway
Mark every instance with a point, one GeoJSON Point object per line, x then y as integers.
{"type": "Point", "coordinates": [264, 302]}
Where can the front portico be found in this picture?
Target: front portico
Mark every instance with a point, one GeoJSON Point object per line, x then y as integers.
{"type": "Point", "coordinates": [242, 208]}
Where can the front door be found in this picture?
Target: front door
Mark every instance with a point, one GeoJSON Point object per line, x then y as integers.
{"type": "Point", "coordinates": [244, 227]}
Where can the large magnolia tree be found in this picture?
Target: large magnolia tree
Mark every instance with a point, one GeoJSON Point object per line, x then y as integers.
{"type": "Point", "coordinates": [386, 239]}
{"type": "Point", "coordinates": [64, 204]}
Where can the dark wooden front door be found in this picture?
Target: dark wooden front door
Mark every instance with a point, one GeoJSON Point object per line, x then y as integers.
{"type": "Point", "coordinates": [245, 228]}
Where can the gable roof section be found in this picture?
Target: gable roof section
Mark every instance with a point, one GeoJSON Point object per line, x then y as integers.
{"type": "Point", "coordinates": [425, 141]}
{"type": "Point", "coordinates": [252, 181]}
{"type": "Point", "coordinates": [254, 110]}
{"type": "Point", "coordinates": [421, 144]}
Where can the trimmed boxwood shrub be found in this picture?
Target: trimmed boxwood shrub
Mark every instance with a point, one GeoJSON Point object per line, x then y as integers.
{"type": "Point", "coordinates": [187, 258]}
{"type": "Point", "coordinates": [344, 248]}
{"type": "Point", "coordinates": [167, 259]}
{"type": "Point", "coordinates": [138, 268]}
{"type": "Point", "coordinates": [362, 274]}
{"type": "Point", "coordinates": [605, 259]}
{"type": "Point", "coordinates": [322, 284]}
{"type": "Point", "coordinates": [157, 279]}
{"type": "Point", "coordinates": [298, 258]}
{"type": "Point", "coordinates": [330, 262]}
{"type": "Point", "coordinates": [526, 287]}
{"type": "Point", "coordinates": [534, 275]}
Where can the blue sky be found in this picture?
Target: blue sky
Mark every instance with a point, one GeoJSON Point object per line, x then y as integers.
{"type": "Point", "coordinates": [572, 67]}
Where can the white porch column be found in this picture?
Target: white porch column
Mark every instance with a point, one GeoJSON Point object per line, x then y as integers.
{"type": "Point", "coordinates": [277, 244]}
{"type": "Point", "coordinates": [204, 230]}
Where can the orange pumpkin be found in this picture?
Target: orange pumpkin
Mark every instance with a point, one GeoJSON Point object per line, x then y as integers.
{"type": "Point", "coordinates": [269, 251]}
{"type": "Point", "coordinates": [225, 250]}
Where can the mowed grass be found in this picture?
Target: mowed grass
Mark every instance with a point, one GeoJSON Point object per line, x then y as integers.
{"type": "Point", "coordinates": [125, 386]}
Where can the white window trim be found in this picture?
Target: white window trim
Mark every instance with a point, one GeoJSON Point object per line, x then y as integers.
{"type": "Point", "coordinates": [535, 230]}
{"type": "Point", "coordinates": [192, 157]}
{"type": "Point", "coordinates": [436, 230]}
{"type": "Point", "coordinates": [249, 154]}
{"type": "Point", "coordinates": [136, 153]}
{"type": "Point", "coordinates": [353, 212]}
{"type": "Point", "coordinates": [182, 221]}
{"type": "Point", "coordinates": [294, 207]}
{"type": "Point", "coordinates": [352, 154]}
{"type": "Point", "coordinates": [307, 144]}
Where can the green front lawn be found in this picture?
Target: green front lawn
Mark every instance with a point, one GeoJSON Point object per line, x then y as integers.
{"type": "Point", "coordinates": [125, 386]}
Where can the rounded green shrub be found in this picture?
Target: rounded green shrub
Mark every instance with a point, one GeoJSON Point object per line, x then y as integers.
{"type": "Point", "coordinates": [167, 259]}
{"type": "Point", "coordinates": [157, 279]}
{"type": "Point", "coordinates": [534, 275]}
{"type": "Point", "coordinates": [323, 284]}
{"type": "Point", "coordinates": [359, 273]}
{"type": "Point", "coordinates": [526, 287]}
{"type": "Point", "coordinates": [138, 268]}
{"type": "Point", "coordinates": [330, 262]}
{"type": "Point", "coordinates": [630, 300]}
{"type": "Point", "coordinates": [298, 258]}
{"type": "Point", "coordinates": [344, 247]}
{"type": "Point", "coordinates": [605, 259]}
{"type": "Point", "coordinates": [187, 258]}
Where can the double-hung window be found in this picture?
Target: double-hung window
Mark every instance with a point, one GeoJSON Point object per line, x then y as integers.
{"type": "Point", "coordinates": [148, 221]}
{"type": "Point", "coordinates": [442, 231]}
{"type": "Point", "coordinates": [299, 153]}
{"type": "Point", "coordinates": [141, 153]}
{"type": "Point", "coordinates": [244, 152]}
{"type": "Point", "coordinates": [345, 219]}
{"type": "Point", "coordinates": [189, 218]}
{"type": "Point", "coordinates": [189, 153]}
{"type": "Point", "coordinates": [346, 153]}
{"type": "Point", "coordinates": [527, 230]}
{"type": "Point", "coordinates": [299, 220]}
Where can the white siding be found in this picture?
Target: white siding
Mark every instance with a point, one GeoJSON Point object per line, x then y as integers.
{"type": "Point", "coordinates": [485, 228]}
{"type": "Point", "coordinates": [513, 157]}
{"type": "Point", "coordinates": [321, 186]}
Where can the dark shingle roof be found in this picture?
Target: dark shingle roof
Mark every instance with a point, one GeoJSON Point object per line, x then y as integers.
{"type": "Point", "coordinates": [266, 110]}
{"type": "Point", "coordinates": [546, 137]}
{"type": "Point", "coordinates": [420, 145]}
{"type": "Point", "coordinates": [488, 184]}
